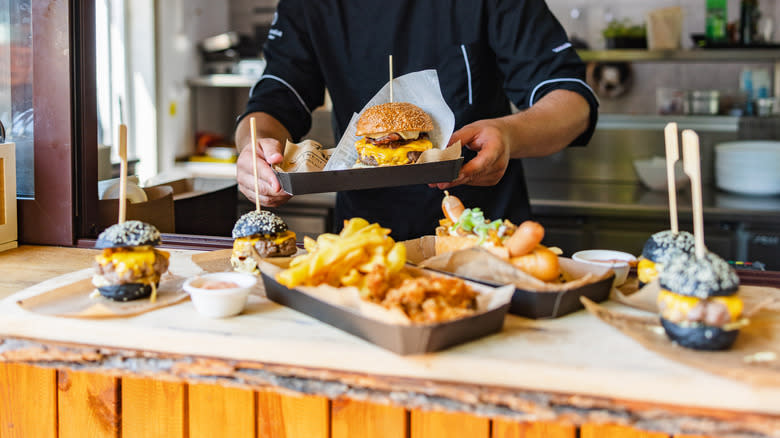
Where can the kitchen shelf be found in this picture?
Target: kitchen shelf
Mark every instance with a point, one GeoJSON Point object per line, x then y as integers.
{"type": "Point", "coordinates": [693, 55]}
{"type": "Point", "coordinates": [658, 122]}
{"type": "Point", "coordinates": [223, 81]}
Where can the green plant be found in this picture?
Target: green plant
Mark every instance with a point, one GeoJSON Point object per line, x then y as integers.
{"type": "Point", "coordinates": [624, 28]}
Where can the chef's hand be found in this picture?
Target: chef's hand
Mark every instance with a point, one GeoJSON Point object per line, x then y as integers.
{"type": "Point", "coordinates": [270, 193]}
{"type": "Point", "coordinates": [489, 138]}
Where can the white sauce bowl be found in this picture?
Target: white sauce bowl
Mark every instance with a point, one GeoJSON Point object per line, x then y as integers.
{"type": "Point", "coordinates": [223, 302]}
{"type": "Point", "coordinates": [617, 260]}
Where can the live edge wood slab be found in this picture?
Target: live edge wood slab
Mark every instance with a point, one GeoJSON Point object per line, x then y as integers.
{"type": "Point", "coordinates": [53, 385]}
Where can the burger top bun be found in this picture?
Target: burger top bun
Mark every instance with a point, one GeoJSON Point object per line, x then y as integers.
{"type": "Point", "coordinates": [258, 222]}
{"type": "Point", "coordinates": [128, 234]}
{"type": "Point", "coordinates": [393, 117]}
{"type": "Point", "coordinates": [686, 274]}
{"type": "Point", "coordinates": [659, 244]}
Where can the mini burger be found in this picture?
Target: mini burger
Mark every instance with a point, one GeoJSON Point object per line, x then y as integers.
{"type": "Point", "coordinates": [656, 251]}
{"type": "Point", "coordinates": [262, 234]}
{"type": "Point", "coordinates": [698, 303]}
{"type": "Point", "coordinates": [393, 133]}
{"type": "Point", "coordinates": [129, 267]}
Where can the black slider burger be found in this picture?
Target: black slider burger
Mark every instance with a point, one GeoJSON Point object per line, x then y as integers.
{"type": "Point", "coordinates": [698, 303]}
{"type": "Point", "coordinates": [394, 133]}
{"type": "Point", "coordinates": [657, 249]}
{"type": "Point", "coordinates": [129, 267]}
{"type": "Point", "coordinates": [262, 234]}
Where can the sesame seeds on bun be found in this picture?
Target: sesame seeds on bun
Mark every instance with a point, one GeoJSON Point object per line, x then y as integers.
{"type": "Point", "coordinates": [393, 117]}
{"type": "Point", "coordinates": [661, 243]}
{"type": "Point", "coordinates": [688, 275]}
{"type": "Point", "coordinates": [258, 222]}
{"type": "Point", "coordinates": [128, 234]}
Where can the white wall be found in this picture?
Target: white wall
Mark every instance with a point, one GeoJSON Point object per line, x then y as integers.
{"type": "Point", "coordinates": [181, 24]}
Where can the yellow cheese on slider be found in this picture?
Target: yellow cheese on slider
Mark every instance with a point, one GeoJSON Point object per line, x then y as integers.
{"type": "Point", "coordinates": [392, 156]}
{"type": "Point", "coordinates": [672, 302]}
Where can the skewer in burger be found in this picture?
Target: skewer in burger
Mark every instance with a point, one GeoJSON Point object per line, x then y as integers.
{"type": "Point", "coordinates": [393, 133]}
{"type": "Point", "coordinates": [657, 249]}
{"type": "Point", "coordinates": [261, 234]}
{"type": "Point", "coordinates": [698, 303]}
{"type": "Point", "coordinates": [129, 267]}
{"type": "Point", "coordinates": [464, 228]}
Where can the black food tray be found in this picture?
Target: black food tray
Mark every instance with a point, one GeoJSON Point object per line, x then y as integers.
{"type": "Point", "coordinates": [299, 183]}
{"type": "Point", "coordinates": [400, 339]}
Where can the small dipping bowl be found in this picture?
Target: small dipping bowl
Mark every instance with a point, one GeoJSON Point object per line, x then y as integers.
{"type": "Point", "coordinates": [619, 261]}
{"type": "Point", "coordinates": [220, 294]}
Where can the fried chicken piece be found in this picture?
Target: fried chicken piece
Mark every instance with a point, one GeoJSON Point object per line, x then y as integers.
{"type": "Point", "coordinates": [432, 299]}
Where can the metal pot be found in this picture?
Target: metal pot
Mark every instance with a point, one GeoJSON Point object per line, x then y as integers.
{"type": "Point", "coordinates": [702, 102]}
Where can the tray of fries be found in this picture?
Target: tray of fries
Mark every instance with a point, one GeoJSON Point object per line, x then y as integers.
{"type": "Point", "coordinates": [359, 282]}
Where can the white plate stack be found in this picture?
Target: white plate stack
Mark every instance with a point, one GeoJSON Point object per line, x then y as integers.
{"type": "Point", "coordinates": [748, 167]}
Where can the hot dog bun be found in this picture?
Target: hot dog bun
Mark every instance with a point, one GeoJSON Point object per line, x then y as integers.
{"type": "Point", "coordinates": [456, 243]}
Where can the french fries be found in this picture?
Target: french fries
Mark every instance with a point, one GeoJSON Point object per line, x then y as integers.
{"type": "Point", "coordinates": [345, 259]}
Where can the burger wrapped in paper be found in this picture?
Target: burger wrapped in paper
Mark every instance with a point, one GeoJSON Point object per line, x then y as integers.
{"type": "Point", "coordinates": [129, 267]}
{"type": "Point", "coordinates": [261, 234]}
{"type": "Point", "coordinates": [393, 133]}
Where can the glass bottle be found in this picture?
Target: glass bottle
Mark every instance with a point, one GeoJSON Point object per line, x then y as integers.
{"type": "Point", "coordinates": [716, 20]}
{"type": "Point", "coordinates": [748, 21]}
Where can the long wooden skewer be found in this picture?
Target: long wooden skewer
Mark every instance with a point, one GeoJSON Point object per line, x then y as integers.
{"type": "Point", "coordinates": [122, 173]}
{"type": "Point", "coordinates": [390, 60]}
{"type": "Point", "coordinates": [672, 155]}
{"type": "Point", "coordinates": [692, 165]}
{"type": "Point", "coordinates": [252, 127]}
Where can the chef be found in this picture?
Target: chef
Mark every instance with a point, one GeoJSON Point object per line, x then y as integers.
{"type": "Point", "coordinates": [488, 55]}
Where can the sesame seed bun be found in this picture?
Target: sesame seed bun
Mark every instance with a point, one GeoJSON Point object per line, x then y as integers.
{"type": "Point", "coordinates": [660, 243]}
{"type": "Point", "coordinates": [688, 275]}
{"type": "Point", "coordinates": [128, 234]}
{"type": "Point", "coordinates": [258, 222]}
{"type": "Point", "coordinates": [393, 117]}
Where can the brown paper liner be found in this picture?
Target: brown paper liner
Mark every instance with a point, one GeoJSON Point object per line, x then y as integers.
{"type": "Point", "coordinates": [754, 358]}
{"type": "Point", "coordinates": [74, 301]}
{"type": "Point", "coordinates": [219, 260]}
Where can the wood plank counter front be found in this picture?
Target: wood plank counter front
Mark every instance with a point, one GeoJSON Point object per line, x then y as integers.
{"type": "Point", "coordinates": [273, 372]}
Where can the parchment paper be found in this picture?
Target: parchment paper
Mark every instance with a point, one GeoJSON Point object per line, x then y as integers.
{"type": "Point", "coordinates": [74, 300]}
{"type": "Point", "coordinates": [420, 88]}
{"type": "Point", "coordinates": [480, 264]}
{"type": "Point", "coordinates": [349, 297]}
{"type": "Point", "coordinates": [219, 260]}
{"type": "Point", "coordinates": [754, 357]}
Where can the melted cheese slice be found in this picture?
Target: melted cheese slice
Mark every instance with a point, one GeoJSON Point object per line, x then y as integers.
{"type": "Point", "coordinates": [672, 302]}
{"type": "Point", "coordinates": [646, 271]}
{"type": "Point", "coordinates": [244, 244]}
{"type": "Point", "coordinates": [135, 259]}
{"type": "Point", "coordinates": [392, 156]}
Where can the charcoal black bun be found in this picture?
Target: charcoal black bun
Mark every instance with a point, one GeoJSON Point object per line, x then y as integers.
{"type": "Point", "coordinates": [708, 276]}
{"type": "Point", "coordinates": [700, 337]}
{"type": "Point", "coordinates": [658, 245]}
{"type": "Point", "coordinates": [126, 292]}
{"type": "Point", "coordinates": [258, 222]}
{"type": "Point", "coordinates": [128, 234]}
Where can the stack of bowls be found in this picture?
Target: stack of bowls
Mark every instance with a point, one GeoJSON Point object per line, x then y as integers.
{"type": "Point", "coordinates": [748, 167]}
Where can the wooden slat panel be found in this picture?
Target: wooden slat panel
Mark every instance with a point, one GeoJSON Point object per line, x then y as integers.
{"type": "Point", "coordinates": [153, 408]}
{"type": "Point", "coordinates": [283, 416]}
{"type": "Point", "coordinates": [616, 431]}
{"type": "Point", "coordinates": [509, 429]}
{"type": "Point", "coordinates": [28, 401]}
{"type": "Point", "coordinates": [691, 436]}
{"type": "Point", "coordinates": [217, 411]}
{"type": "Point", "coordinates": [432, 424]}
{"type": "Point", "coordinates": [88, 405]}
{"type": "Point", "coordinates": [350, 418]}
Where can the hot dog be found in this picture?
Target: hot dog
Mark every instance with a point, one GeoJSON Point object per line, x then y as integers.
{"type": "Point", "coordinates": [521, 245]}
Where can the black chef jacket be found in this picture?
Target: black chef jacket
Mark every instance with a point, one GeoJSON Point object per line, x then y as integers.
{"type": "Point", "coordinates": [485, 52]}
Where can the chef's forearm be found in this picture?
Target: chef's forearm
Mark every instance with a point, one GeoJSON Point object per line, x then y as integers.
{"type": "Point", "coordinates": [267, 127]}
{"type": "Point", "coordinates": [549, 126]}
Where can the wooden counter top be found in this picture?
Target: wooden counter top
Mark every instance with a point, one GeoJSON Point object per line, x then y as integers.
{"type": "Point", "coordinates": [569, 367]}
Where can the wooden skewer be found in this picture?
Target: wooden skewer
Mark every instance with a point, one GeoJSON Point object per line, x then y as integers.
{"type": "Point", "coordinates": [122, 173]}
{"type": "Point", "coordinates": [390, 60]}
{"type": "Point", "coordinates": [252, 127]}
{"type": "Point", "coordinates": [672, 155]}
{"type": "Point", "coordinates": [692, 165]}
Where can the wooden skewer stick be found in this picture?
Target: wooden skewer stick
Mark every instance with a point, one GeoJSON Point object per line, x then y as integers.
{"type": "Point", "coordinates": [252, 127]}
{"type": "Point", "coordinates": [122, 173]}
{"type": "Point", "coordinates": [672, 155]}
{"type": "Point", "coordinates": [692, 165]}
{"type": "Point", "coordinates": [390, 60]}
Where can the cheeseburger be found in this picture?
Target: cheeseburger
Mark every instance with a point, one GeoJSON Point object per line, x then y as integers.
{"type": "Point", "coordinates": [698, 303]}
{"type": "Point", "coordinates": [657, 249]}
{"type": "Point", "coordinates": [262, 234]}
{"type": "Point", "coordinates": [129, 267]}
{"type": "Point", "coordinates": [393, 133]}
